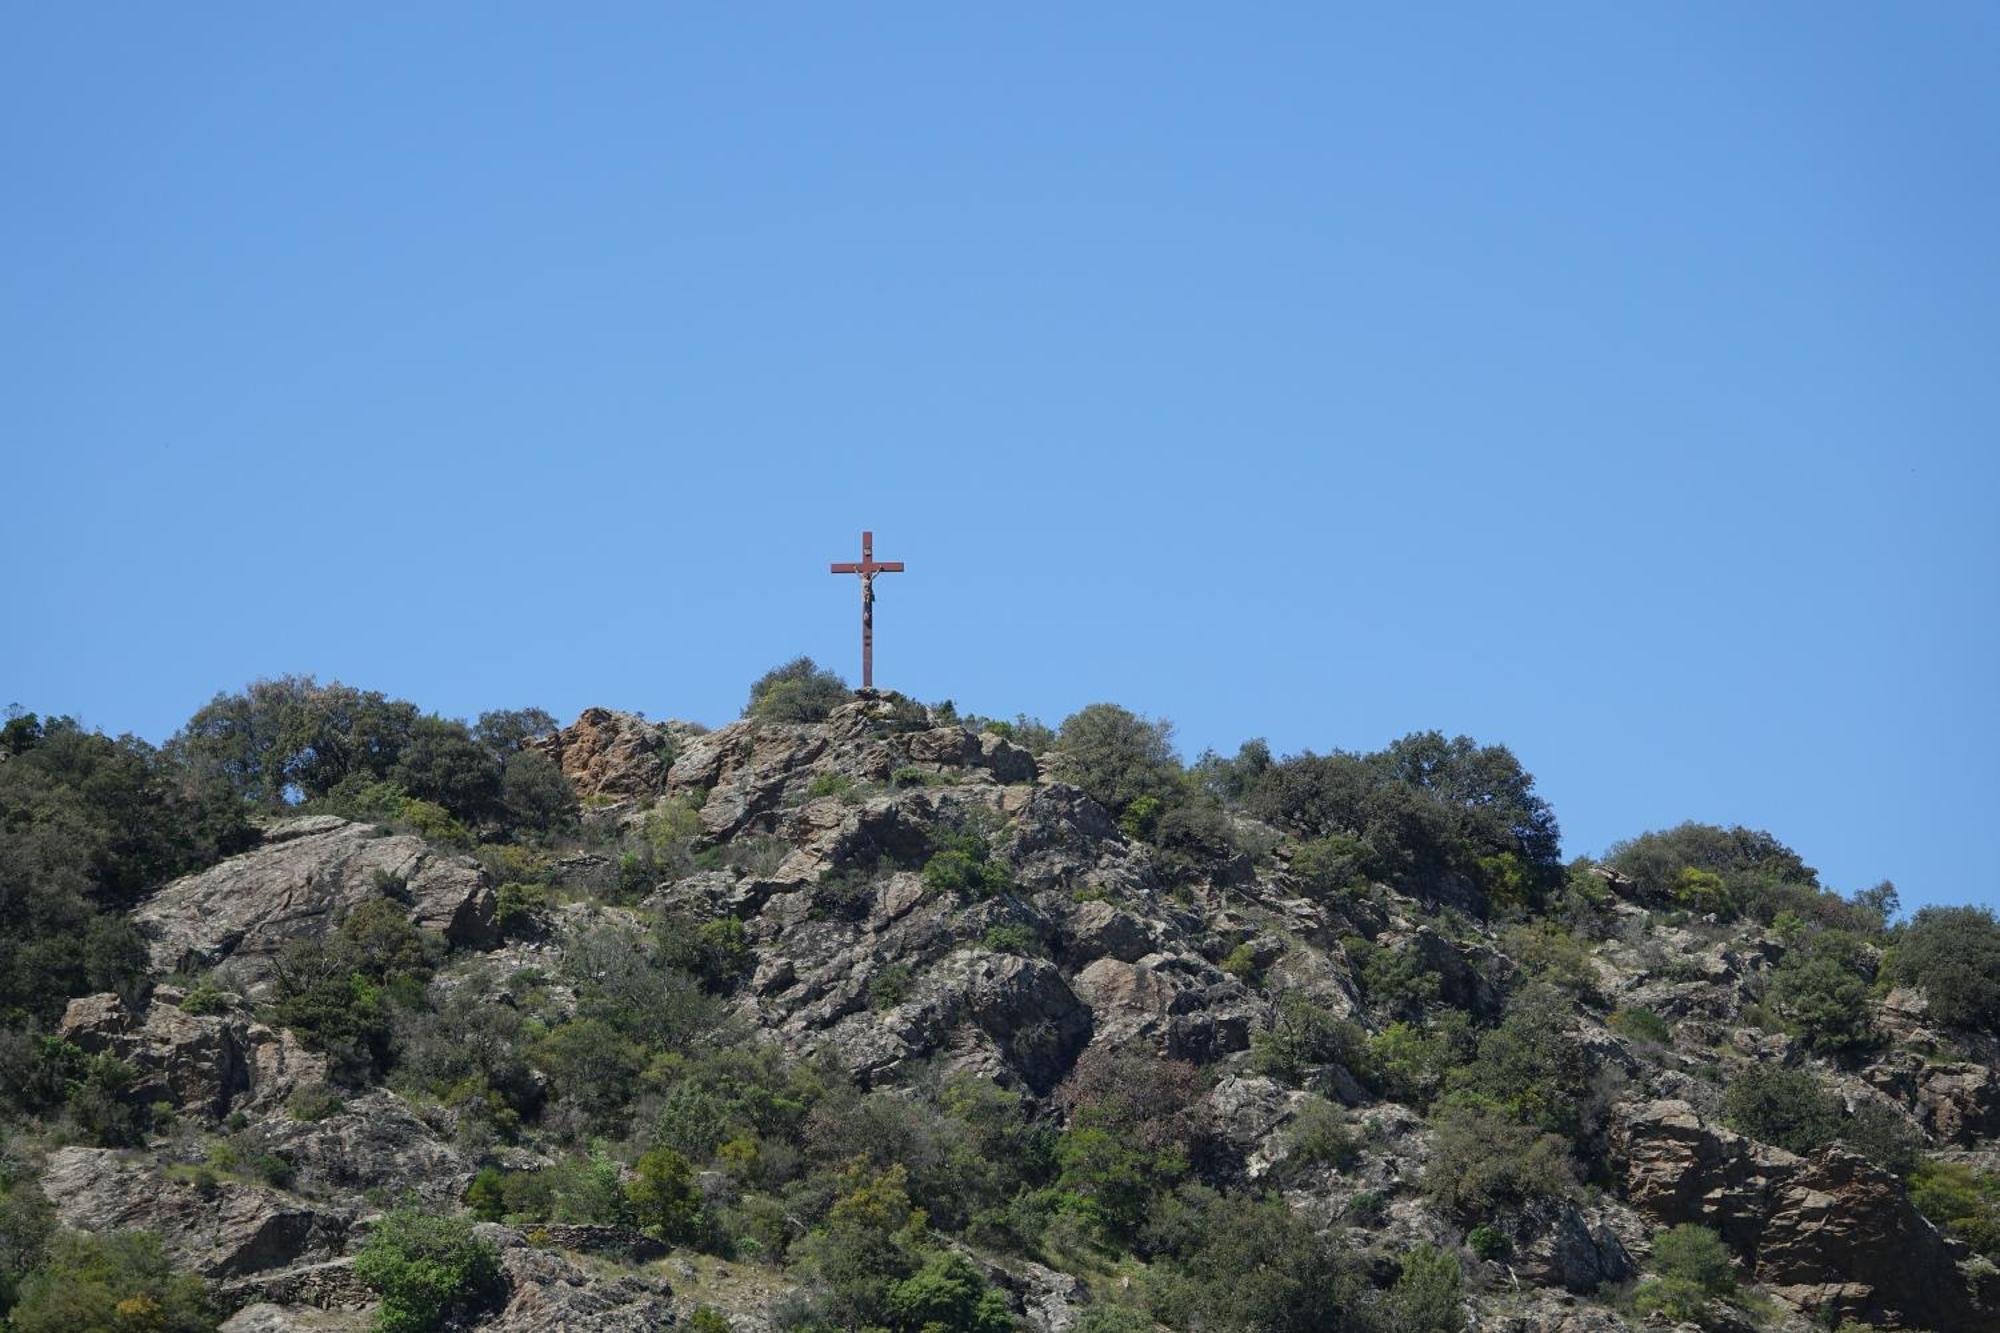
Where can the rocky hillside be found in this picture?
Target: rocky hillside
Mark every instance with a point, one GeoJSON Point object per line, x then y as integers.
{"type": "Point", "coordinates": [856, 1014]}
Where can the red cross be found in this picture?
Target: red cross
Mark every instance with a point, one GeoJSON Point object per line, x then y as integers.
{"type": "Point", "coordinates": [868, 568]}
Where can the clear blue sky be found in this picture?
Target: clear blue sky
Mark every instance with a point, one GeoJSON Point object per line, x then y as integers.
{"type": "Point", "coordinates": [1617, 382]}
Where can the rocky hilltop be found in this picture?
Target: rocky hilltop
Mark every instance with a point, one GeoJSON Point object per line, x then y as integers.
{"type": "Point", "coordinates": [890, 1019]}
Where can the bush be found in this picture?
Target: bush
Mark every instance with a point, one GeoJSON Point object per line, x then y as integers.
{"type": "Point", "coordinates": [1303, 1040]}
{"type": "Point", "coordinates": [1428, 1294]}
{"type": "Point", "coordinates": [1331, 866]}
{"type": "Point", "coordinates": [1531, 1064]}
{"type": "Point", "coordinates": [1483, 1161]}
{"type": "Point", "coordinates": [963, 865]}
{"type": "Point", "coordinates": [116, 1282]}
{"type": "Point", "coordinates": [1696, 1255]}
{"type": "Point", "coordinates": [1488, 1242]}
{"type": "Point", "coordinates": [1641, 1024]}
{"type": "Point", "coordinates": [1785, 1107]}
{"type": "Point", "coordinates": [664, 1198]}
{"type": "Point", "coordinates": [947, 1295]}
{"type": "Point", "coordinates": [798, 691]}
{"type": "Point", "coordinates": [1952, 954]}
{"type": "Point", "coordinates": [1962, 1200]}
{"type": "Point", "coordinates": [1819, 993]}
{"type": "Point", "coordinates": [1118, 757]}
{"type": "Point", "coordinates": [1319, 1136]}
{"type": "Point", "coordinates": [427, 1269]}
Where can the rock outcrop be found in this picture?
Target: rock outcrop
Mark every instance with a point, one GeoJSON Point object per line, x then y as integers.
{"type": "Point", "coordinates": [611, 756]}
{"type": "Point", "coordinates": [1829, 1232]}
{"type": "Point", "coordinates": [218, 1228]}
{"type": "Point", "coordinates": [304, 876]}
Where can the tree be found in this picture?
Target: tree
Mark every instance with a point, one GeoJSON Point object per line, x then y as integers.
{"type": "Point", "coordinates": [1952, 954]}
{"type": "Point", "coordinates": [947, 1295]}
{"type": "Point", "coordinates": [505, 730]}
{"type": "Point", "coordinates": [294, 734]}
{"type": "Point", "coordinates": [535, 795]}
{"type": "Point", "coordinates": [664, 1198]}
{"type": "Point", "coordinates": [441, 762]}
{"type": "Point", "coordinates": [1820, 994]}
{"type": "Point", "coordinates": [798, 691]}
{"type": "Point", "coordinates": [1118, 757]}
{"type": "Point", "coordinates": [427, 1268]}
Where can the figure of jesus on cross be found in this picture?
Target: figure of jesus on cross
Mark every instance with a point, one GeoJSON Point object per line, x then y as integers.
{"type": "Point", "coordinates": [868, 568]}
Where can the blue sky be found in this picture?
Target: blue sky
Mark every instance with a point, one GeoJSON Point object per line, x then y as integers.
{"type": "Point", "coordinates": [1616, 383]}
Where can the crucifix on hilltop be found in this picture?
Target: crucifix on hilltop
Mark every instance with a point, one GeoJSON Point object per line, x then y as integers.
{"type": "Point", "coordinates": [868, 568]}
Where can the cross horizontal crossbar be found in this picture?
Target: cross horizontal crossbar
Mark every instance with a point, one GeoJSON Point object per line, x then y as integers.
{"type": "Point", "coordinates": [870, 567]}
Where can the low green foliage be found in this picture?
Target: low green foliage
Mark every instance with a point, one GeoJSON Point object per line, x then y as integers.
{"type": "Point", "coordinates": [664, 1198]}
{"type": "Point", "coordinates": [1962, 1200]}
{"type": "Point", "coordinates": [115, 1282]}
{"type": "Point", "coordinates": [1641, 1024]}
{"type": "Point", "coordinates": [829, 784]}
{"type": "Point", "coordinates": [798, 691]}
{"type": "Point", "coordinates": [962, 863]}
{"type": "Point", "coordinates": [1484, 1161]}
{"type": "Point", "coordinates": [1952, 954]}
{"type": "Point", "coordinates": [427, 1269]}
{"type": "Point", "coordinates": [1304, 1040]}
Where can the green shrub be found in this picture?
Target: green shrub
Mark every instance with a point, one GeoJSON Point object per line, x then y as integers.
{"type": "Point", "coordinates": [707, 1319]}
{"type": "Point", "coordinates": [1332, 866]}
{"type": "Point", "coordinates": [1641, 1024]}
{"type": "Point", "coordinates": [1488, 1242]}
{"type": "Point", "coordinates": [1676, 1299]}
{"type": "Point", "coordinates": [1785, 1107]}
{"type": "Point", "coordinates": [829, 784]}
{"type": "Point", "coordinates": [1962, 1200]}
{"type": "Point", "coordinates": [1118, 757]}
{"type": "Point", "coordinates": [1952, 954]}
{"type": "Point", "coordinates": [1702, 891]}
{"type": "Point", "coordinates": [114, 1282]}
{"type": "Point", "coordinates": [1532, 1065]}
{"type": "Point", "coordinates": [1429, 1293]}
{"type": "Point", "coordinates": [1303, 1039]}
{"type": "Point", "coordinates": [1696, 1255]}
{"type": "Point", "coordinates": [204, 998]}
{"type": "Point", "coordinates": [427, 1269]}
{"type": "Point", "coordinates": [1409, 1063]}
{"type": "Point", "coordinates": [1241, 963]}
{"type": "Point", "coordinates": [1318, 1136]}
{"type": "Point", "coordinates": [1014, 937]}
{"type": "Point", "coordinates": [1484, 1160]}
{"type": "Point", "coordinates": [518, 907]}
{"type": "Point", "coordinates": [798, 691]}
{"type": "Point", "coordinates": [890, 986]}
{"type": "Point", "coordinates": [1397, 978]}
{"type": "Point", "coordinates": [962, 864]}
{"type": "Point", "coordinates": [947, 1295]}
{"type": "Point", "coordinates": [664, 1198]}
{"type": "Point", "coordinates": [1820, 994]}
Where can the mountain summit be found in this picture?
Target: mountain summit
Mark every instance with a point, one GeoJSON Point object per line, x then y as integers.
{"type": "Point", "coordinates": [860, 1014]}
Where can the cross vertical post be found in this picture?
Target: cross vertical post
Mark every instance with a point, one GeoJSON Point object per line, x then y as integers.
{"type": "Point", "coordinates": [868, 567]}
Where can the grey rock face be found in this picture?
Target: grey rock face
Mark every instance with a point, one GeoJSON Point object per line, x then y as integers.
{"type": "Point", "coordinates": [305, 875]}
{"type": "Point", "coordinates": [226, 1230]}
{"type": "Point", "coordinates": [548, 1293]}
{"type": "Point", "coordinates": [205, 1065]}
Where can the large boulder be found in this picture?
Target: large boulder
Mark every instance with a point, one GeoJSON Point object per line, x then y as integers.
{"type": "Point", "coordinates": [375, 1141]}
{"type": "Point", "coordinates": [201, 1064]}
{"type": "Point", "coordinates": [547, 1292]}
{"type": "Point", "coordinates": [299, 881]}
{"type": "Point", "coordinates": [1830, 1233]}
{"type": "Point", "coordinates": [614, 756]}
{"type": "Point", "coordinates": [219, 1229]}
